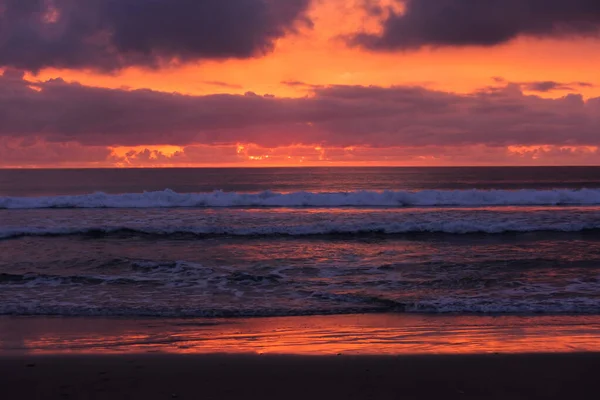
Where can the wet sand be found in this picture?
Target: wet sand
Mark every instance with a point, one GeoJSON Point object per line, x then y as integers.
{"type": "Point", "coordinates": [309, 358]}
{"type": "Point", "coordinates": [149, 377]}
{"type": "Point", "coordinates": [371, 334]}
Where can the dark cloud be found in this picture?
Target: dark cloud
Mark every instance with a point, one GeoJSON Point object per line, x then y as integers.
{"type": "Point", "coordinates": [543, 86]}
{"type": "Point", "coordinates": [301, 85]}
{"type": "Point", "coordinates": [36, 153]}
{"type": "Point", "coordinates": [481, 22]}
{"type": "Point", "coordinates": [549, 86]}
{"type": "Point", "coordinates": [296, 83]}
{"type": "Point", "coordinates": [112, 34]}
{"type": "Point", "coordinates": [338, 116]}
{"type": "Point", "coordinates": [223, 84]}
{"type": "Point", "coordinates": [546, 86]}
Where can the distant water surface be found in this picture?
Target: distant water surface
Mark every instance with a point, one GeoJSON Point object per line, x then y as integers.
{"type": "Point", "coordinates": [50, 182]}
{"type": "Point", "coordinates": [296, 241]}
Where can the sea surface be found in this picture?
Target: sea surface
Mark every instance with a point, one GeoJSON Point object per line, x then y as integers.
{"type": "Point", "coordinates": [300, 241]}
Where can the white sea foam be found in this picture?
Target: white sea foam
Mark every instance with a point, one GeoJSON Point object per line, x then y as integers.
{"type": "Point", "coordinates": [427, 198]}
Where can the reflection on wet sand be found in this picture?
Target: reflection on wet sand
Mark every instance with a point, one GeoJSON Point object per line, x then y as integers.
{"type": "Point", "coordinates": [318, 335]}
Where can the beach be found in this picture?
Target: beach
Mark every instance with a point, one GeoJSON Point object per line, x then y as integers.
{"type": "Point", "coordinates": [382, 356]}
{"type": "Point", "coordinates": [523, 376]}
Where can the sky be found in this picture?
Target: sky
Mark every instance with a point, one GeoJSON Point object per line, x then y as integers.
{"type": "Point", "coordinates": [185, 83]}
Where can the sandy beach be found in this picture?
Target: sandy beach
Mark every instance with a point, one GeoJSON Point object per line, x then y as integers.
{"type": "Point", "coordinates": [542, 376]}
{"type": "Point", "coordinates": [320, 357]}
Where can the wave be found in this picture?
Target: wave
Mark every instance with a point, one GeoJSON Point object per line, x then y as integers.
{"type": "Point", "coordinates": [124, 287]}
{"type": "Point", "coordinates": [145, 273]}
{"type": "Point", "coordinates": [574, 306]}
{"type": "Point", "coordinates": [427, 198]}
{"type": "Point", "coordinates": [365, 229]}
{"type": "Point", "coordinates": [33, 280]}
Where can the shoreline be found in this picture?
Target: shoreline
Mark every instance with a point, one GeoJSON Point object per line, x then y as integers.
{"type": "Point", "coordinates": [375, 356]}
{"type": "Point", "coordinates": [355, 334]}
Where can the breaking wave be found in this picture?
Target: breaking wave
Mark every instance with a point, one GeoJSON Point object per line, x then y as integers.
{"type": "Point", "coordinates": [427, 198]}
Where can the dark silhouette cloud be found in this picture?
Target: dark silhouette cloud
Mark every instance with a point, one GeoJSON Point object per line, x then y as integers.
{"type": "Point", "coordinates": [112, 34]}
{"type": "Point", "coordinates": [550, 86]}
{"type": "Point", "coordinates": [338, 116]}
{"type": "Point", "coordinates": [300, 85]}
{"type": "Point", "coordinates": [296, 83]}
{"type": "Point", "coordinates": [546, 86]}
{"type": "Point", "coordinates": [223, 84]}
{"type": "Point", "coordinates": [481, 23]}
{"type": "Point", "coordinates": [34, 153]}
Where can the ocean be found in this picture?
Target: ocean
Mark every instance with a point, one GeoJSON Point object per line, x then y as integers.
{"type": "Point", "coordinates": [299, 241]}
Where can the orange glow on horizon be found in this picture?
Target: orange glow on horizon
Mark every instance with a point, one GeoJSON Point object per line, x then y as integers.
{"type": "Point", "coordinates": [252, 155]}
{"type": "Point", "coordinates": [167, 150]}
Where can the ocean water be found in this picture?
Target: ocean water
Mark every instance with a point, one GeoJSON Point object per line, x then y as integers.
{"type": "Point", "coordinates": [299, 241]}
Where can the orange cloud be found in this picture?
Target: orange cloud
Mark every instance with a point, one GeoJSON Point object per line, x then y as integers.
{"type": "Point", "coordinates": [251, 155]}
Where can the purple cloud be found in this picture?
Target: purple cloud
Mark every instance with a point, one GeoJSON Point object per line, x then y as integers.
{"type": "Point", "coordinates": [481, 23]}
{"type": "Point", "coordinates": [337, 116]}
{"type": "Point", "coordinates": [549, 86]}
{"type": "Point", "coordinates": [112, 34]}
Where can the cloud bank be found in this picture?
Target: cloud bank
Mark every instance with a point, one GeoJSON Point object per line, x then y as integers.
{"type": "Point", "coordinates": [335, 116]}
{"type": "Point", "coordinates": [109, 35]}
{"type": "Point", "coordinates": [481, 23]}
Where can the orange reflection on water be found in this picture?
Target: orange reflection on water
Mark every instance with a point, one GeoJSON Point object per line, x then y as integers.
{"type": "Point", "coordinates": [319, 335]}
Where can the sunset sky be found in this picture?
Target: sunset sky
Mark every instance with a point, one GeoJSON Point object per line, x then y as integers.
{"type": "Point", "coordinates": [154, 83]}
